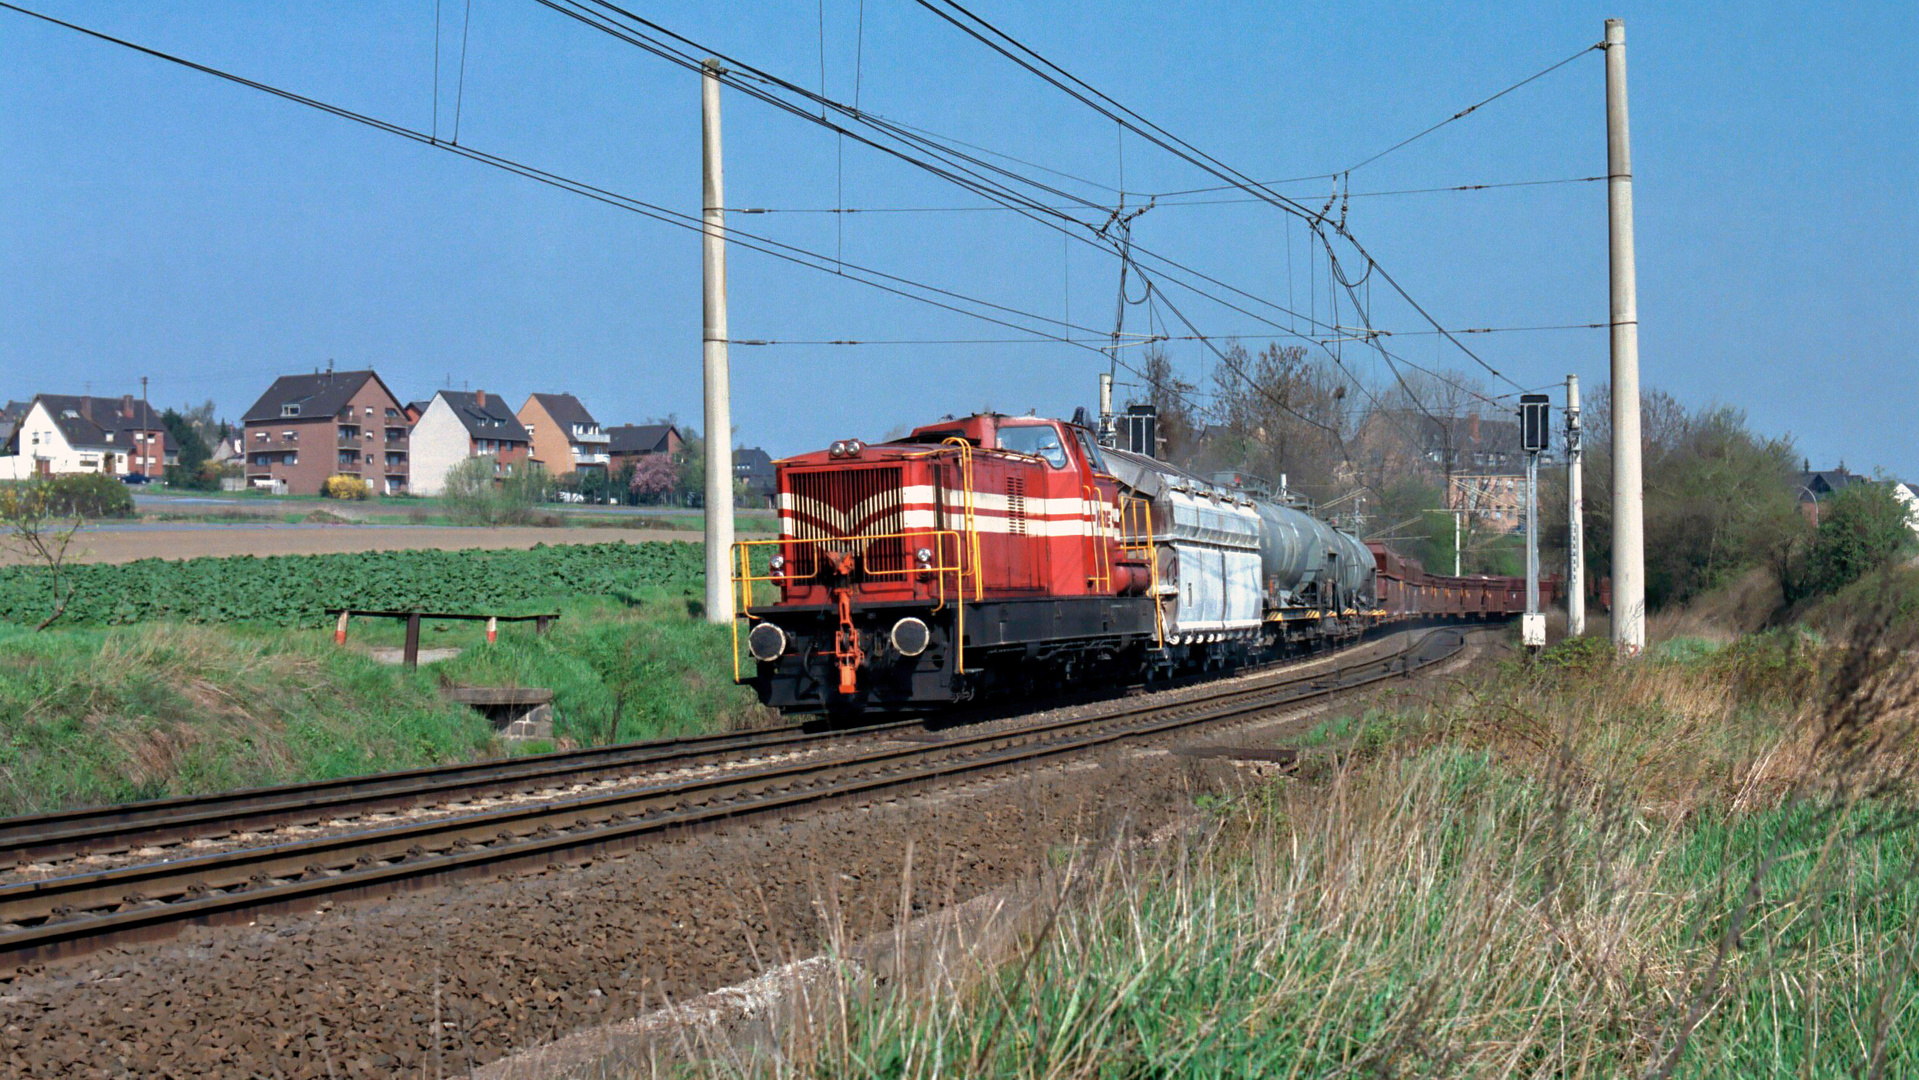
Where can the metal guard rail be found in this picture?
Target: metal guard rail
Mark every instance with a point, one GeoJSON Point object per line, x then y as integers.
{"type": "Point", "coordinates": [947, 545]}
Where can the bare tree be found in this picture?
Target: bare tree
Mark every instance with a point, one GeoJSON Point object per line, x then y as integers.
{"type": "Point", "coordinates": [1171, 398]}
{"type": "Point", "coordinates": [40, 536]}
{"type": "Point", "coordinates": [1279, 413]}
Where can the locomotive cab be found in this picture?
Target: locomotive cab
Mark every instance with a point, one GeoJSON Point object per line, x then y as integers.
{"type": "Point", "coordinates": [971, 554]}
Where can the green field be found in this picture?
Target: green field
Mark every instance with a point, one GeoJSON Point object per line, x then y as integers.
{"type": "Point", "coordinates": [197, 675]}
{"type": "Point", "coordinates": [296, 590]}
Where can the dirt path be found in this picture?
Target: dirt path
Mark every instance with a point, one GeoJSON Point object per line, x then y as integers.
{"type": "Point", "coordinates": [125, 543]}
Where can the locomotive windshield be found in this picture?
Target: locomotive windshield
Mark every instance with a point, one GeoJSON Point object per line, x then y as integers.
{"type": "Point", "coordinates": [1091, 449]}
{"type": "Point", "coordinates": [1039, 440]}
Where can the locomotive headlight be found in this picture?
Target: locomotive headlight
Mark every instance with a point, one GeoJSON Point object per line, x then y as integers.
{"type": "Point", "coordinates": [777, 564]}
{"type": "Point", "coordinates": [838, 449]}
{"type": "Point", "coordinates": [766, 642]}
{"type": "Point", "coordinates": [910, 636]}
{"type": "Point", "coordinates": [923, 557]}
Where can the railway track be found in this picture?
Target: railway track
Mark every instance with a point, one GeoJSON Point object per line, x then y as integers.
{"type": "Point", "coordinates": [66, 916]}
{"type": "Point", "coordinates": [70, 834]}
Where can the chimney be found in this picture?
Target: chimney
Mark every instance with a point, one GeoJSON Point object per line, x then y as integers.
{"type": "Point", "coordinates": [126, 406]}
{"type": "Point", "coordinates": [86, 406]}
{"type": "Point", "coordinates": [479, 398]}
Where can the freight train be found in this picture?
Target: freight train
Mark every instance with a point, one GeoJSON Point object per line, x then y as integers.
{"type": "Point", "coordinates": [1005, 556]}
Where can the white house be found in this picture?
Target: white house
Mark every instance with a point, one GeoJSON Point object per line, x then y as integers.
{"type": "Point", "coordinates": [63, 433]}
{"type": "Point", "coordinates": [457, 425]}
{"type": "Point", "coordinates": [1908, 494]}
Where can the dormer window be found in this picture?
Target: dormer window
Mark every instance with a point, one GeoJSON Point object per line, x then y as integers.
{"type": "Point", "coordinates": [289, 409]}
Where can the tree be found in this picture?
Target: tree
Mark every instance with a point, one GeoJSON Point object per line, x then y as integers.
{"type": "Point", "coordinates": [1277, 413]}
{"type": "Point", "coordinates": [1718, 497]}
{"type": "Point", "coordinates": [591, 484]}
{"type": "Point", "coordinates": [1862, 528]}
{"type": "Point", "coordinates": [204, 419]}
{"type": "Point", "coordinates": [652, 478]}
{"type": "Point", "coordinates": [479, 492]}
{"type": "Point", "coordinates": [192, 452]}
{"type": "Point", "coordinates": [690, 489]}
{"type": "Point", "coordinates": [1171, 398]}
{"type": "Point", "coordinates": [40, 532]}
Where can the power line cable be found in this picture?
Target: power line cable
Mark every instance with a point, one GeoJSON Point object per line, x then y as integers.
{"type": "Point", "coordinates": [1470, 109]}
{"type": "Point", "coordinates": [1026, 205]}
{"type": "Point", "coordinates": [1157, 203]}
{"type": "Point", "coordinates": [459, 97]}
{"type": "Point", "coordinates": [1012, 49]}
{"type": "Point", "coordinates": [436, 69]}
{"type": "Point", "coordinates": [692, 223]}
{"type": "Point", "coordinates": [800, 256]}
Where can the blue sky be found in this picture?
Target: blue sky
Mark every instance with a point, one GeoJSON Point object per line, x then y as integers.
{"type": "Point", "coordinates": [154, 221]}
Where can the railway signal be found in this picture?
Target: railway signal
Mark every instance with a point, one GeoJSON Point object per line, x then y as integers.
{"type": "Point", "coordinates": [1534, 435]}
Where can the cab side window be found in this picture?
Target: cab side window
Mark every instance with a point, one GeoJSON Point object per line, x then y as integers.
{"type": "Point", "coordinates": [1039, 440]}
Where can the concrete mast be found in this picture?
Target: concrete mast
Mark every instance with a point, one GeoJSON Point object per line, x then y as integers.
{"type": "Point", "coordinates": [1575, 516]}
{"type": "Point", "coordinates": [719, 412]}
{"type": "Point", "coordinates": [1628, 519]}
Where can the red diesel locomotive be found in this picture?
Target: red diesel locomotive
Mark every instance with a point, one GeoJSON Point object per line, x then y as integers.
{"type": "Point", "coordinates": [1015, 555]}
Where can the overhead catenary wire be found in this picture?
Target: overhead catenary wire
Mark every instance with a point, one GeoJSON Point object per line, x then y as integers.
{"type": "Point", "coordinates": [459, 95]}
{"type": "Point", "coordinates": [693, 223]}
{"type": "Point", "coordinates": [1158, 203]}
{"type": "Point", "coordinates": [959, 171]}
{"type": "Point", "coordinates": [1474, 107]}
{"type": "Point", "coordinates": [1023, 55]}
{"type": "Point", "coordinates": [959, 174]}
{"type": "Point", "coordinates": [890, 283]}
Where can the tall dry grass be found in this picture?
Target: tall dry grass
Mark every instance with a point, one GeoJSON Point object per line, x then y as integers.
{"type": "Point", "coordinates": [1703, 866]}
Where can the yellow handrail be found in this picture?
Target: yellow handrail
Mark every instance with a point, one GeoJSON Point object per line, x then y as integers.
{"type": "Point", "coordinates": [1136, 539]}
{"type": "Point", "coordinates": [1101, 579]}
{"type": "Point", "coordinates": [970, 528]}
{"type": "Point", "coordinates": [946, 546]}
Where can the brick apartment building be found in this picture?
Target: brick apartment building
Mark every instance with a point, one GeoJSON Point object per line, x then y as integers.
{"type": "Point", "coordinates": [564, 436]}
{"type": "Point", "coordinates": [457, 425]}
{"type": "Point", "coordinates": [306, 428]}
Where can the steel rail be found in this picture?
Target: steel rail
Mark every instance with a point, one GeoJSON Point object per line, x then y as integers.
{"type": "Point", "coordinates": [72, 915]}
{"type": "Point", "coordinates": [64, 835]}
{"type": "Point", "coordinates": [109, 829]}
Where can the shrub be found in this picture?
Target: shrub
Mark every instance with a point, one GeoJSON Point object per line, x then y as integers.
{"type": "Point", "coordinates": [1861, 529]}
{"type": "Point", "coordinates": [92, 495]}
{"type": "Point", "coordinates": [477, 493]}
{"type": "Point", "coordinates": [345, 487]}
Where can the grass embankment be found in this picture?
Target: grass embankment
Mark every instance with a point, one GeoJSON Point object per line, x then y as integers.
{"type": "Point", "coordinates": [1696, 866]}
{"type": "Point", "coordinates": [96, 713]}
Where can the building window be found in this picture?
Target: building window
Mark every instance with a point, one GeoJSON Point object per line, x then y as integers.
{"type": "Point", "coordinates": [289, 409]}
{"type": "Point", "coordinates": [259, 436]}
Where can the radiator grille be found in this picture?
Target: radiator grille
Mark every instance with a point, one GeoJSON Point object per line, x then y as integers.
{"type": "Point", "coordinates": [848, 502]}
